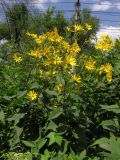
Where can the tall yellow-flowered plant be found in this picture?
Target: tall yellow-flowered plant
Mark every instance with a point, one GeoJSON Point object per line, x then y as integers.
{"type": "Point", "coordinates": [54, 55]}
{"type": "Point", "coordinates": [105, 43]}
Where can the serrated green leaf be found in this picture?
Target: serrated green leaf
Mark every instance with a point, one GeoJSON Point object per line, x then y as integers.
{"type": "Point", "coordinates": [55, 113]}
{"type": "Point", "coordinates": [54, 138]}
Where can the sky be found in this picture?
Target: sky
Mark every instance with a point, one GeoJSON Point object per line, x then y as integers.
{"type": "Point", "coordinates": [108, 11]}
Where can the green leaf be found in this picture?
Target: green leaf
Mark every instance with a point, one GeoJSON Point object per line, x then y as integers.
{"type": "Point", "coordinates": [60, 80]}
{"type": "Point", "coordinates": [82, 155]}
{"type": "Point", "coordinates": [34, 85]}
{"type": "Point", "coordinates": [34, 151]}
{"type": "Point", "coordinates": [58, 139]}
{"type": "Point", "coordinates": [8, 78]}
{"type": "Point", "coordinates": [16, 118]}
{"type": "Point", "coordinates": [40, 143]}
{"type": "Point", "coordinates": [51, 137]}
{"type": "Point", "coordinates": [112, 145]}
{"type": "Point", "coordinates": [21, 94]}
{"type": "Point", "coordinates": [26, 156]}
{"type": "Point", "coordinates": [55, 113]}
{"type": "Point", "coordinates": [46, 155]}
{"type": "Point", "coordinates": [102, 142]}
{"type": "Point", "coordinates": [52, 126]}
{"type": "Point", "coordinates": [111, 125]}
{"type": "Point", "coordinates": [65, 146]}
{"type": "Point", "coordinates": [2, 116]}
{"type": "Point", "coordinates": [54, 138]}
{"type": "Point", "coordinates": [113, 108]}
{"type": "Point", "coordinates": [29, 143]}
{"type": "Point", "coordinates": [51, 93]}
{"type": "Point", "coordinates": [16, 137]}
{"type": "Point", "coordinates": [35, 145]}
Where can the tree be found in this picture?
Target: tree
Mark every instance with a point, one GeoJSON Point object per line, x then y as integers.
{"type": "Point", "coordinates": [41, 23]}
{"type": "Point", "coordinates": [17, 16]}
{"type": "Point", "coordinates": [4, 32]}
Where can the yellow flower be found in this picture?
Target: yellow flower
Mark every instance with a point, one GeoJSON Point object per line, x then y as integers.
{"type": "Point", "coordinates": [59, 87]}
{"type": "Point", "coordinates": [68, 29]}
{"type": "Point", "coordinates": [38, 39]}
{"type": "Point", "coordinates": [107, 68]}
{"type": "Point", "coordinates": [35, 53]}
{"type": "Point", "coordinates": [71, 60]}
{"type": "Point", "coordinates": [88, 26]}
{"type": "Point", "coordinates": [76, 78]}
{"type": "Point", "coordinates": [75, 48]}
{"type": "Point", "coordinates": [17, 58]}
{"type": "Point", "coordinates": [41, 73]}
{"type": "Point", "coordinates": [32, 35]}
{"type": "Point", "coordinates": [109, 76]}
{"type": "Point", "coordinates": [105, 43]}
{"type": "Point", "coordinates": [101, 69]}
{"type": "Point", "coordinates": [48, 50]}
{"type": "Point", "coordinates": [57, 60]}
{"type": "Point", "coordinates": [32, 95]}
{"type": "Point", "coordinates": [78, 28]}
{"type": "Point", "coordinates": [65, 45]}
{"type": "Point", "coordinates": [48, 63]}
{"type": "Point", "coordinates": [90, 64]}
{"type": "Point", "coordinates": [54, 36]}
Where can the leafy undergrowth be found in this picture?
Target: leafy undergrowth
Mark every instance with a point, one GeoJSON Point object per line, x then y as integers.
{"type": "Point", "coordinates": [59, 102]}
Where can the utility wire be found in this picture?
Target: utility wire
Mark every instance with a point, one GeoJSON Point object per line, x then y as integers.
{"type": "Point", "coordinates": [92, 12]}
{"type": "Point", "coordinates": [41, 12]}
{"type": "Point", "coordinates": [96, 12]}
{"type": "Point", "coordinates": [82, 2]}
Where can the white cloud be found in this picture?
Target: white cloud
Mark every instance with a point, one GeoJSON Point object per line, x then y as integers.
{"type": "Point", "coordinates": [40, 4]}
{"type": "Point", "coordinates": [117, 5]}
{"type": "Point", "coordinates": [102, 6]}
{"type": "Point", "coordinates": [114, 32]}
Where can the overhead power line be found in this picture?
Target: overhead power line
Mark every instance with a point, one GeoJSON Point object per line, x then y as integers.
{"type": "Point", "coordinates": [93, 12]}
{"type": "Point", "coordinates": [71, 2]}
{"type": "Point", "coordinates": [82, 2]}
{"type": "Point", "coordinates": [102, 20]}
{"type": "Point", "coordinates": [101, 4]}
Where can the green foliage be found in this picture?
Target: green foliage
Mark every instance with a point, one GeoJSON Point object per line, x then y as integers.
{"type": "Point", "coordinates": [4, 32]}
{"type": "Point", "coordinates": [17, 16]}
{"type": "Point", "coordinates": [111, 145]}
{"type": "Point", "coordinates": [68, 123]}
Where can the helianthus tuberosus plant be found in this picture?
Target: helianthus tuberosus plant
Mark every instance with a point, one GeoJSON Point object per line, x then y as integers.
{"type": "Point", "coordinates": [54, 108]}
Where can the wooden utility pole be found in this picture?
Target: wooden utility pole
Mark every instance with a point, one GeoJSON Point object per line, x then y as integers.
{"type": "Point", "coordinates": [77, 11]}
{"type": "Point", "coordinates": [77, 20]}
